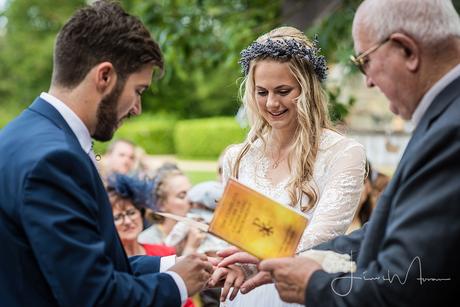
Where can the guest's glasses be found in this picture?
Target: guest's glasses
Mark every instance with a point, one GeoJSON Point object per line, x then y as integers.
{"type": "Point", "coordinates": [362, 59]}
{"type": "Point", "coordinates": [132, 214]}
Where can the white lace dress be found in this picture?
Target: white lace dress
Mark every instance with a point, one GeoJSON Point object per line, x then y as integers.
{"type": "Point", "coordinates": [338, 176]}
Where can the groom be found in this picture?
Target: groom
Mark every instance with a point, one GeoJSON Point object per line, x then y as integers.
{"type": "Point", "coordinates": [59, 243]}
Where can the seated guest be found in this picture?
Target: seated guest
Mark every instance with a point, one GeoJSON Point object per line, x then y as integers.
{"type": "Point", "coordinates": [379, 183]}
{"type": "Point", "coordinates": [120, 157]}
{"type": "Point", "coordinates": [203, 198]}
{"type": "Point", "coordinates": [366, 202]}
{"type": "Point", "coordinates": [130, 197]}
{"type": "Point", "coordinates": [170, 195]}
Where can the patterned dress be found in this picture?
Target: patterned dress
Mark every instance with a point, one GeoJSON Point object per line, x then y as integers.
{"type": "Point", "coordinates": [338, 176]}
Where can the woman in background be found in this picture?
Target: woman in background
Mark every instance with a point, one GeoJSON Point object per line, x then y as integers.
{"type": "Point", "coordinates": [170, 187]}
{"type": "Point", "coordinates": [374, 184]}
{"type": "Point", "coordinates": [130, 197]}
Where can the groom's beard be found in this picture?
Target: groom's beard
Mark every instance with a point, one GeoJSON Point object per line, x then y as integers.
{"type": "Point", "coordinates": [107, 117]}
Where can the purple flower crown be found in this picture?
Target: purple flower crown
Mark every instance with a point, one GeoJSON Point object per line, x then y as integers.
{"type": "Point", "coordinates": [285, 49]}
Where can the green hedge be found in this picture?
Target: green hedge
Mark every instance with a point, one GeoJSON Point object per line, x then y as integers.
{"type": "Point", "coordinates": [7, 115]}
{"type": "Point", "coordinates": [154, 133]}
{"type": "Point", "coordinates": [4, 120]}
{"type": "Point", "coordinates": [206, 138]}
{"type": "Point", "coordinates": [164, 134]}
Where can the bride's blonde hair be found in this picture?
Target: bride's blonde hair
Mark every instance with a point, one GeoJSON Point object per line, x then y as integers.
{"type": "Point", "coordinates": [312, 116]}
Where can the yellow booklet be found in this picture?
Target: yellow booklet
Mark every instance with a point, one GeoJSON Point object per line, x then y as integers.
{"type": "Point", "coordinates": [256, 223]}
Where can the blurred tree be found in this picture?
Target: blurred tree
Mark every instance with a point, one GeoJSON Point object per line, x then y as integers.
{"type": "Point", "coordinates": [201, 41]}
{"type": "Point", "coordinates": [334, 31]}
{"type": "Point", "coordinates": [26, 48]}
{"type": "Point", "coordinates": [336, 43]}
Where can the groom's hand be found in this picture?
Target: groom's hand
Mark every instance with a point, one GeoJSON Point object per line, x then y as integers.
{"type": "Point", "coordinates": [195, 270]}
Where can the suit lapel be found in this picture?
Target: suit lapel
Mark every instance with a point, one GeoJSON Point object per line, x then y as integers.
{"type": "Point", "coordinates": [47, 110]}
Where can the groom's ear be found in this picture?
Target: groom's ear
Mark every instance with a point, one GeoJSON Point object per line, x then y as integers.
{"type": "Point", "coordinates": [104, 77]}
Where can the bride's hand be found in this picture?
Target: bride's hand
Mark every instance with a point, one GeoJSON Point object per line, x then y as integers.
{"type": "Point", "coordinates": [233, 255]}
{"type": "Point", "coordinates": [228, 277]}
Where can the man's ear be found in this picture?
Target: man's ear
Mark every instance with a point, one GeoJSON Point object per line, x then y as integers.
{"type": "Point", "coordinates": [105, 77]}
{"type": "Point", "coordinates": [409, 49]}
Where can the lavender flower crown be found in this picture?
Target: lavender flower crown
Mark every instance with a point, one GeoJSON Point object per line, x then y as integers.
{"type": "Point", "coordinates": [285, 49]}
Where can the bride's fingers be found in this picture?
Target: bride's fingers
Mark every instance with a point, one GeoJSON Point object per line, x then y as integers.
{"type": "Point", "coordinates": [228, 251]}
{"type": "Point", "coordinates": [218, 274]}
{"type": "Point", "coordinates": [227, 285]}
{"type": "Point", "coordinates": [236, 285]}
{"type": "Point", "coordinates": [239, 257]}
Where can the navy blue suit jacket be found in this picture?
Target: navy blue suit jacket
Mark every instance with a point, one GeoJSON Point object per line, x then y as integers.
{"type": "Point", "coordinates": [407, 254]}
{"type": "Point", "coordinates": [59, 242]}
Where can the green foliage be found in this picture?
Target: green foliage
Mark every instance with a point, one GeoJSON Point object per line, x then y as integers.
{"type": "Point", "coordinates": [201, 41]}
{"type": "Point", "coordinates": [334, 32]}
{"type": "Point", "coordinates": [26, 49]}
{"type": "Point", "coordinates": [206, 138]}
{"type": "Point", "coordinates": [335, 39]}
{"type": "Point", "coordinates": [154, 133]}
{"type": "Point", "coordinates": [339, 110]}
{"type": "Point", "coordinates": [6, 115]}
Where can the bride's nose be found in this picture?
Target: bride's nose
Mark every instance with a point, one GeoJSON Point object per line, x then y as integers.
{"type": "Point", "coordinates": [272, 101]}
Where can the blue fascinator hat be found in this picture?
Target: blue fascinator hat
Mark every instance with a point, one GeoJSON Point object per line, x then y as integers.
{"type": "Point", "coordinates": [139, 191]}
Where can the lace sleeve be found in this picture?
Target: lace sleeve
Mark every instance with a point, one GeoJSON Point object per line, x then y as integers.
{"type": "Point", "coordinates": [227, 162]}
{"type": "Point", "coordinates": [339, 195]}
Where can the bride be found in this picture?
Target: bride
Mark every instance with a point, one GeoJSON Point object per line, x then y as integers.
{"type": "Point", "coordinates": [292, 154]}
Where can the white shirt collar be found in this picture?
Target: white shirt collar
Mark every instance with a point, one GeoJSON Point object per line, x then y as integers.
{"type": "Point", "coordinates": [433, 92]}
{"type": "Point", "coordinates": [74, 122]}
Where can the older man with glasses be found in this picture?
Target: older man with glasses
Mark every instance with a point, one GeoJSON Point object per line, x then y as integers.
{"type": "Point", "coordinates": [407, 254]}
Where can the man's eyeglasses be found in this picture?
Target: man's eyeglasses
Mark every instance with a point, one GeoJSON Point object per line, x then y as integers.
{"type": "Point", "coordinates": [361, 59]}
{"type": "Point", "coordinates": [119, 219]}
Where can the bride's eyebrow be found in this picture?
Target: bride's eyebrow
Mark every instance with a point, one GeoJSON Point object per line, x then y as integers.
{"type": "Point", "coordinates": [282, 86]}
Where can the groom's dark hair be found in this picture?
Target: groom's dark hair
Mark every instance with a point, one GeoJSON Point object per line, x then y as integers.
{"type": "Point", "coordinates": [102, 32]}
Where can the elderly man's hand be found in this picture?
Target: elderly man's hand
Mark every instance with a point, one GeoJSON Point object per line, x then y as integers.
{"type": "Point", "coordinates": [291, 276]}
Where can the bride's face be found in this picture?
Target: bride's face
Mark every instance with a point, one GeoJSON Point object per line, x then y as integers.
{"type": "Point", "coordinates": [276, 90]}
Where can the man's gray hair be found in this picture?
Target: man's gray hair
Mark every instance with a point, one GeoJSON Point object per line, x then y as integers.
{"type": "Point", "coordinates": [427, 21]}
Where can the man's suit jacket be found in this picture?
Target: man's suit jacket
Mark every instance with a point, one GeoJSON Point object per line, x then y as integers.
{"type": "Point", "coordinates": [414, 232]}
{"type": "Point", "coordinates": [60, 245]}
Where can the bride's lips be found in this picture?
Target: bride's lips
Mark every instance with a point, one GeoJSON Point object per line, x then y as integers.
{"type": "Point", "coordinates": [277, 114]}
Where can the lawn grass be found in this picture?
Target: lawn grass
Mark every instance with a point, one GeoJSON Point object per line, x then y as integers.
{"type": "Point", "coordinates": [200, 176]}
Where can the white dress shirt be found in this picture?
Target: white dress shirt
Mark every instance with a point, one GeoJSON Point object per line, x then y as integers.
{"type": "Point", "coordinates": [84, 138]}
{"type": "Point", "coordinates": [437, 88]}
